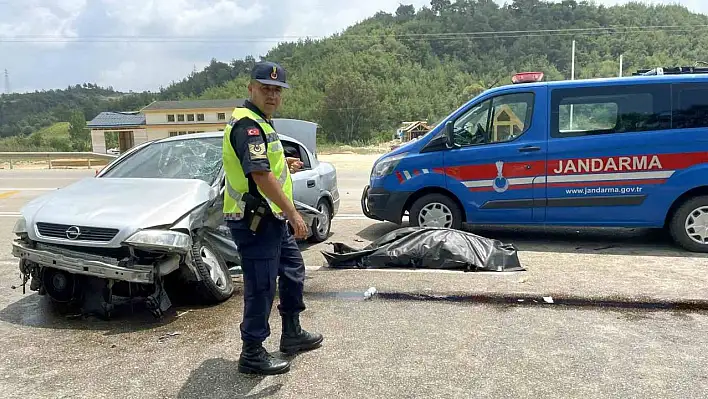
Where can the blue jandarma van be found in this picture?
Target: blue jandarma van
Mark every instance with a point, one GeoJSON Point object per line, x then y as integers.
{"type": "Point", "coordinates": [618, 152]}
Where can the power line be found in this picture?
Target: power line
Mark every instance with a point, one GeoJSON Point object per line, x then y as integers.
{"type": "Point", "coordinates": [616, 30]}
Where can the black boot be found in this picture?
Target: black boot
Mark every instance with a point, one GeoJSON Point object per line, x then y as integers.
{"type": "Point", "coordinates": [256, 360]}
{"type": "Point", "coordinates": [295, 339]}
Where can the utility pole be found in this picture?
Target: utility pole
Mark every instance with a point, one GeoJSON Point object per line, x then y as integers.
{"type": "Point", "coordinates": [621, 60]}
{"type": "Point", "coordinates": [572, 63]}
{"type": "Point", "coordinates": [572, 77]}
{"type": "Point", "coordinates": [7, 82]}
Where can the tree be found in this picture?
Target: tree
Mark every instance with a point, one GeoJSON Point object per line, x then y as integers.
{"type": "Point", "coordinates": [78, 134]}
{"type": "Point", "coordinates": [349, 108]}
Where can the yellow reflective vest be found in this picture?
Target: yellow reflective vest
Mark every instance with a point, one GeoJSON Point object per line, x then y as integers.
{"type": "Point", "coordinates": [236, 181]}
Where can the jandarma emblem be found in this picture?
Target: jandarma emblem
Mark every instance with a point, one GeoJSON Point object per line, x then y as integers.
{"type": "Point", "coordinates": [274, 74]}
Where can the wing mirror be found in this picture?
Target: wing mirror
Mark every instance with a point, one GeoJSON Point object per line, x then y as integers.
{"type": "Point", "coordinates": [449, 129]}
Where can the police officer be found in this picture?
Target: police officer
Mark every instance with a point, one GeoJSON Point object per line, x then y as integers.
{"type": "Point", "coordinates": [255, 164]}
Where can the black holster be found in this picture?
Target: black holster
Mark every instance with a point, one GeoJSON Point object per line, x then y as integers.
{"type": "Point", "coordinates": [256, 213]}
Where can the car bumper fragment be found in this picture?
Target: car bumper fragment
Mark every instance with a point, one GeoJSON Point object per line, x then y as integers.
{"type": "Point", "coordinates": [143, 274]}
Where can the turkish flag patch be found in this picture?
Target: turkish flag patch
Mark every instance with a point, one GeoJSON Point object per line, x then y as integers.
{"type": "Point", "coordinates": [253, 131]}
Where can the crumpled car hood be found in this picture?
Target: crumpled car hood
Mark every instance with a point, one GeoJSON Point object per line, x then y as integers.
{"type": "Point", "coordinates": [122, 203]}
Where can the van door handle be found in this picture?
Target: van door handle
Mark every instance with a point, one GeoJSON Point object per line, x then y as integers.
{"type": "Point", "coordinates": [310, 183]}
{"type": "Point", "coordinates": [529, 148]}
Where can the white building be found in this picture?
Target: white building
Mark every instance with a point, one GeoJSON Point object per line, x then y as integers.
{"type": "Point", "coordinates": [160, 119]}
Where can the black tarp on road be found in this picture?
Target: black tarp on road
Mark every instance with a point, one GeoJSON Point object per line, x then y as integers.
{"type": "Point", "coordinates": [428, 248]}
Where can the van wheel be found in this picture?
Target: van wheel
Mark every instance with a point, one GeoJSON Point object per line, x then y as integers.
{"type": "Point", "coordinates": [216, 284]}
{"type": "Point", "coordinates": [689, 225]}
{"type": "Point", "coordinates": [435, 210]}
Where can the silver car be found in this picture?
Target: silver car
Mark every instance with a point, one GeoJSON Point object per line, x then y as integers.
{"type": "Point", "coordinates": [152, 215]}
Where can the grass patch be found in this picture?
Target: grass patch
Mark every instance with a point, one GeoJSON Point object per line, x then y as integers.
{"type": "Point", "coordinates": [51, 138]}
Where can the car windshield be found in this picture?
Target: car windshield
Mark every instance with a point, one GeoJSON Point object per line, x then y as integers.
{"type": "Point", "coordinates": [189, 158]}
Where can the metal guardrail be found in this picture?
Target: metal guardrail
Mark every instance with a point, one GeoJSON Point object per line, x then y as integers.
{"type": "Point", "coordinates": [54, 155]}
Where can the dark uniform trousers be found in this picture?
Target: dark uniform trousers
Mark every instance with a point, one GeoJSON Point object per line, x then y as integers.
{"type": "Point", "coordinates": [271, 253]}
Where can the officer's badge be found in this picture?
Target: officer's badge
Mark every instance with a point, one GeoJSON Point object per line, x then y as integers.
{"type": "Point", "coordinates": [257, 151]}
{"type": "Point", "coordinates": [274, 74]}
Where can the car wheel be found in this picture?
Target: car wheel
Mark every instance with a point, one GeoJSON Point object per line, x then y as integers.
{"type": "Point", "coordinates": [435, 210]}
{"type": "Point", "coordinates": [216, 284]}
{"type": "Point", "coordinates": [60, 286]}
{"type": "Point", "coordinates": [689, 225]}
{"type": "Point", "coordinates": [321, 226]}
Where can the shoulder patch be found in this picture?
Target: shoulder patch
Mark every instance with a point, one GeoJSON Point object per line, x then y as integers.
{"type": "Point", "coordinates": [253, 131]}
{"type": "Point", "coordinates": [257, 151]}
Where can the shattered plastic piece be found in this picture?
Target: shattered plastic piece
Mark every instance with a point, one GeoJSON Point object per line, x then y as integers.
{"type": "Point", "coordinates": [169, 335]}
{"type": "Point", "coordinates": [370, 292]}
{"type": "Point", "coordinates": [548, 299]}
{"type": "Point", "coordinates": [428, 247]}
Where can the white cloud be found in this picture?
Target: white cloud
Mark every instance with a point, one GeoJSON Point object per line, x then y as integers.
{"type": "Point", "coordinates": [42, 20]}
{"type": "Point", "coordinates": [182, 17]}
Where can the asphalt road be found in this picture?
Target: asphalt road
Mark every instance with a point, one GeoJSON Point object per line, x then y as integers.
{"type": "Point", "coordinates": [614, 323]}
{"type": "Point", "coordinates": [17, 186]}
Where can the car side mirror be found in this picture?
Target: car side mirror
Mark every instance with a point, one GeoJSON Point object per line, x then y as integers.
{"type": "Point", "coordinates": [449, 129]}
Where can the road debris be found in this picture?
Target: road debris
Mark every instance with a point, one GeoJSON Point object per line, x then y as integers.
{"type": "Point", "coordinates": [169, 335]}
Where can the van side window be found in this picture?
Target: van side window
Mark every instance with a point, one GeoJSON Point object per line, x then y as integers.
{"type": "Point", "coordinates": [690, 106]}
{"type": "Point", "coordinates": [610, 109]}
{"type": "Point", "coordinates": [496, 120]}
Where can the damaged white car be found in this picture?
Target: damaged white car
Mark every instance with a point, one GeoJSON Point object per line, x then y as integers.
{"type": "Point", "coordinates": [153, 215]}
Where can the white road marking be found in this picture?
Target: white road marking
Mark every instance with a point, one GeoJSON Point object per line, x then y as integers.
{"type": "Point", "coordinates": [28, 188]}
{"type": "Point", "coordinates": [349, 216]}
{"type": "Point", "coordinates": [10, 214]}
{"type": "Point", "coordinates": [422, 270]}
{"type": "Point", "coordinates": [41, 178]}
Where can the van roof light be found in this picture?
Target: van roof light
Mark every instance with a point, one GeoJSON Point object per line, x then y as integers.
{"type": "Point", "coordinates": [527, 77]}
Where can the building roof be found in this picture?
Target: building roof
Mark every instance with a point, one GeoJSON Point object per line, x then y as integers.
{"type": "Point", "coordinates": [116, 119]}
{"type": "Point", "coordinates": [193, 104]}
{"type": "Point", "coordinates": [408, 126]}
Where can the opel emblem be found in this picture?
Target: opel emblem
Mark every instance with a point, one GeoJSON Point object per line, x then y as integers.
{"type": "Point", "coordinates": [73, 232]}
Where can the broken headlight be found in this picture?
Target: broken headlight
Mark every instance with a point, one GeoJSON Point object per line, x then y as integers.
{"type": "Point", "coordinates": [20, 226]}
{"type": "Point", "coordinates": [387, 165]}
{"type": "Point", "coordinates": [160, 240]}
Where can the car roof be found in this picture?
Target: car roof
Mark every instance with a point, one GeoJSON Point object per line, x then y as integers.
{"type": "Point", "coordinates": [558, 84]}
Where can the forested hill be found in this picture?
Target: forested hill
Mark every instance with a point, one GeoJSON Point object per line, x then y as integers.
{"type": "Point", "coordinates": [422, 64]}
{"type": "Point", "coordinates": [23, 114]}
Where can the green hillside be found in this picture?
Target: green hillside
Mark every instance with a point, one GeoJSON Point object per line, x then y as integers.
{"type": "Point", "coordinates": [52, 138]}
{"type": "Point", "coordinates": [416, 64]}
{"type": "Point", "coordinates": [424, 64]}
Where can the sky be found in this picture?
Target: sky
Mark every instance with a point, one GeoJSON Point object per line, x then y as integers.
{"type": "Point", "coordinates": [51, 44]}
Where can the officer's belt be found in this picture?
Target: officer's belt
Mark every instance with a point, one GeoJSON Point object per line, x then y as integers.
{"type": "Point", "coordinates": [239, 216]}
